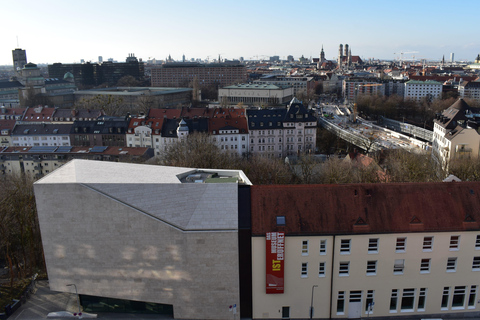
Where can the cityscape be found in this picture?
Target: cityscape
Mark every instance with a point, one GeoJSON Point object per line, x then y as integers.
{"type": "Point", "coordinates": [247, 164]}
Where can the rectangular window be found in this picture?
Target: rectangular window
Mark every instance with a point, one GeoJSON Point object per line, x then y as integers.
{"type": "Point", "coordinates": [422, 298]}
{"type": "Point", "coordinates": [454, 242]}
{"type": "Point", "coordinates": [323, 247]}
{"type": "Point", "coordinates": [371, 267]}
{"type": "Point", "coordinates": [373, 245]}
{"type": "Point", "coordinates": [451, 264]}
{"type": "Point", "coordinates": [398, 266]}
{"type": "Point", "coordinates": [345, 246]}
{"type": "Point", "coordinates": [305, 248]}
{"type": "Point", "coordinates": [445, 297]}
{"type": "Point", "coordinates": [477, 242]}
{"type": "Point", "coordinates": [369, 301]}
{"type": "Point", "coordinates": [344, 268]}
{"type": "Point", "coordinates": [341, 302]}
{"type": "Point", "coordinates": [280, 220]}
{"type": "Point", "coordinates": [476, 264]}
{"type": "Point", "coordinates": [408, 300]}
{"type": "Point", "coordinates": [458, 301]}
{"type": "Point", "coordinates": [304, 270]}
{"type": "Point", "coordinates": [401, 244]}
{"type": "Point", "coordinates": [427, 243]}
{"type": "Point", "coordinates": [321, 269]}
{"type": "Point", "coordinates": [472, 297]}
{"type": "Point", "coordinates": [394, 300]}
{"type": "Point", "coordinates": [285, 312]}
{"type": "Point", "coordinates": [355, 296]}
{"type": "Point", "coordinates": [425, 266]}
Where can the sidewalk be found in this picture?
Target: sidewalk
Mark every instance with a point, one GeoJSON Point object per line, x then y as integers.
{"type": "Point", "coordinates": [44, 301]}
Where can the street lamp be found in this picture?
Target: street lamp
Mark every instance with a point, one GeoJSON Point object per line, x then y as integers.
{"type": "Point", "coordinates": [78, 298]}
{"type": "Point", "coordinates": [311, 303]}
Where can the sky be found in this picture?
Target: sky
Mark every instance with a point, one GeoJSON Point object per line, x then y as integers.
{"type": "Point", "coordinates": [67, 31]}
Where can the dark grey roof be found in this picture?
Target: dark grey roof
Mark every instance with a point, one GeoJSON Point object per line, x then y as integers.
{"type": "Point", "coordinates": [169, 128]}
{"type": "Point", "coordinates": [265, 119]}
{"type": "Point", "coordinates": [298, 113]}
{"type": "Point", "coordinates": [100, 127]}
{"type": "Point", "coordinates": [10, 84]}
{"type": "Point", "coordinates": [41, 129]}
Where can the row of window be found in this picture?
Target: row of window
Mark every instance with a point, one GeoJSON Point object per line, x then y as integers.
{"type": "Point", "coordinates": [412, 299]}
{"type": "Point", "coordinates": [400, 245]}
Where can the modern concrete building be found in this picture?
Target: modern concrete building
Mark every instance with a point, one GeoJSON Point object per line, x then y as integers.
{"type": "Point", "coordinates": [178, 74]}
{"type": "Point", "coordinates": [162, 235]}
{"type": "Point", "coordinates": [256, 94]}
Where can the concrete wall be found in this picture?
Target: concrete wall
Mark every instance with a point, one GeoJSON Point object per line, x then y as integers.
{"type": "Point", "coordinates": [109, 247]}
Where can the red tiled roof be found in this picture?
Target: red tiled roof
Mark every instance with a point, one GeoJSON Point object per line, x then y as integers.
{"type": "Point", "coordinates": [191, 113]}
{"type": "Point", "coordinates": [443, 78]}
{"type": "Point", "coordinates": [366, 208]}
{"type": "Point", "coordinates": [161, 113]}
{"type": "Point", "coordinates": [228, 117]}
{"type": "Point", "coordinates": [40, 114]}
{"type": "Point", "coordinates": [7, 124]}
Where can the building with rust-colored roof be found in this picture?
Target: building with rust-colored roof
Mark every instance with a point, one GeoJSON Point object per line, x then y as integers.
{"type": "Point", "coordinates": [365, 250]}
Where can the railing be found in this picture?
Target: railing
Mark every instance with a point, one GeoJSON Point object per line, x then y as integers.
{"type": "Point", "coordinates": [361, 142]}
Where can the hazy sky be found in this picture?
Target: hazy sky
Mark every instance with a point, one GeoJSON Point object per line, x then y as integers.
{"type": "Point", "coordinates": [67, 31]}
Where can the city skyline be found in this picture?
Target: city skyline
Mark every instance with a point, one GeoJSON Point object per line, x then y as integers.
{"type": "Point", "coordinates": [62, 31]}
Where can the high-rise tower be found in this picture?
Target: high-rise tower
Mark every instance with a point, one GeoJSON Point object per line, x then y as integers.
{"type": "Point", "coordinates": [340, 55]}
{"type": "Point", "coordinates": [19, 59]}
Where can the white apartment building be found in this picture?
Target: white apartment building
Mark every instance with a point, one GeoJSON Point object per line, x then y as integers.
{"type": "Point", "coordinates": [455, 134]}
{"type": "Point", "coordinates": [277, 133]}
{"type": "Point", "coordinates": [469, 89]}
{"type": "Point", "coordinates": [46, 134]}
{"type": "Point", "coordinates": [418, 90]}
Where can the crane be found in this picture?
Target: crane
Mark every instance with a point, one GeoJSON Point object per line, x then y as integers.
{"type": "Point", "coordinates": [402, 53]}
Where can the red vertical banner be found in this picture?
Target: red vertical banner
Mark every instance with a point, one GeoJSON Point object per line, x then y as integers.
{"type": "Point", "coordinates": [275, 255]}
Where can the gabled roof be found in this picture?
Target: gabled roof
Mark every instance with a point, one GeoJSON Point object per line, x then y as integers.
{"type": "Point", "coordinates": [7, 124]}
{"type": "Point", "coordinates": [38, 114]}
{"type": "Point", "coordinates": [42, 129]}
{"type": "Point", "coordinates": [265, 119]}
{"type": "Point", "coordinates": [164, 113]}
{"type": "Point", "coordinates": [450, 116]}
{"type": "Point", "coordinates": [298, 113]}
{"type": "Point", "coordinates": [391, 207]}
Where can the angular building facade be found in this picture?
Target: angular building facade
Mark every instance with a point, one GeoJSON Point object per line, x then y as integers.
{"type": "Point", "coordinates": [144, 233]}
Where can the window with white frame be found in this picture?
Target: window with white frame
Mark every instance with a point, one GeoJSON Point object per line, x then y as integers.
{"type": "Point", "coordinates": [323, 247]}
{"type": "Point", "coordinates": [321, 269]}
{"type": "Point", "coordinates": [458, 299]}
{"type": "Point", "coordinates": [427, 243]}
{"type": "Point", "coordinates": [355, 296]}
{"type": "Point", "coordinates": [369, 301]}
{"type": "Point", "coordinates": [425, 265]}
{"type": "Point", "coordinates": [476, 264]}
{"type": "Point", "coordinates": [408, 300]}
{"type": "Point", "coordinates": [472, 297]}
{"type": "Point", "coordinates": [373, 245]}
{"type": "Point", "coordinates": [422, 299]}
{"type": "Point", "coordinates": [477, 242]}
{"type": "Point", "coordinates": [345, 246]}
{"type": "Point", "coordinates": [305, 248]}
{"type": "Point", "coordinates": [344, 268]}
{"type": "Point", "coordinates": [341, 302]}
{"type": "Point", "coordinates": [398, 266]}
{"type": "Point", "coordinates": [401, 244]}
{"type": "Point", "coordinates": [394, 300]}
{"type": "Point", "coordinates": [304, 272]}
{"type": "Point", "coordinates": [454, 242]}
{"type": "Point", "coordinates": [452, 264]}
{"type": "Point", "coordinates": [371, 267]}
